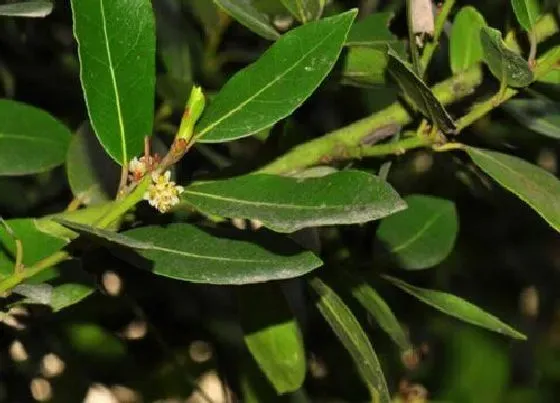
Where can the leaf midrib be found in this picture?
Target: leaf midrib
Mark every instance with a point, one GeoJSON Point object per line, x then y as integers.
{"type": "Point", "coordinates": [197, 256]}
{"type": "Point", "coordinates": [427, 225]}
{"type": "Point", "coordinates": [115, 85]}
{"type": "Point", "coordinates": [28, 138]}
{"type": "Point", "coordinates": [263, 89]}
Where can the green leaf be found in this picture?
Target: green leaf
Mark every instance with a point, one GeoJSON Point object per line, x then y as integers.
{"type": "Point", "coordinates": [272, 335]}
{"type": "Point", "coordinates": [185, 252]}
{"type": "Point", "coordinates": [552, 77]}
{"type": "Point", "coordinates": [95, 342]}
{"type": "Point", "coordinates": [419, 94]}
{"type": "Point", "coordinates": [206, 12]}
{"type": "Point", "coordinates": [457, 307]}
{"type": "Point", "coordinates": [37, 244]}
{"type": "Point", "coordinates": [372, 31]}
{"type": "Point", "coordinates": [116, 45]}
{"type": "Point", "coordinates": [369, 298]}
{"type": "Point", "coordinates": [535, 186]}
{"type": "Point", "coordinates": [505, 64]}
{"type": "Point", "coordinates": [31, 140]}
{"type": "Point", "coordinates": [527, 12]}
{"type": "Point", "coordinates": [92, 175]}
{"type": "Point", "coordinates": [274, 86]}
{"type": "Point", "coordinates": [245, 13]}
{"type": "Point", "coordinates": [36, 8]}
{"type": "Point", "coordinates": [288, 204]}
{"type": "Point", "coordinates": [423, 235]}
{"type": "Point", "coordinates": [540, 115]}
{"type": "Point", "coordinates": [352, 336]}
{"type": "Point", "coordinates": [465, 47]}
{"type": "Point", "coordinates": [305, 10]}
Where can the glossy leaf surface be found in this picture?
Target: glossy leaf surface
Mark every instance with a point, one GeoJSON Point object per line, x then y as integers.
{"type": "Point", "coordinates": [31, 140]}
{"type": "Point", "coordinates": [423, 235]}
{"type": "Point", "coordinates": [287, 204]}
{"type": "Point", "coordinates": [247, 14]}
{"type": "Point", "coordinates": [116, 45]}
{"type": "Point", "coordinates": [350, 333]}
{"type": "Point", "coordinates": [457, 307]}
{"type": "Point", "coordinates": [274, 86]}
{"type": "Point", "coordinates": [185, 252]}
{"type": "Point", "coordinates": [532, 184]}
{"type": "Point", "coordinates": [465, 47]}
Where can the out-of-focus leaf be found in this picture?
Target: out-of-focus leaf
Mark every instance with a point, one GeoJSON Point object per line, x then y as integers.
{"type": "Point", "coordinates": [185, 252]}
{"type": "Point", "coordinates": [305, 10]}
{"type": "Point", "coordinates": [93, 341]}
{"type": "Point", "coordinates": [505, 64]}
{"type": "Point", "coordinates": [352, 336]}
{"type": "Point", "coordinates": [465, 47]}
{"type": "Point", "coordinates": [272, 335]}
{"type": "Point", "coordinates": [372, 31]}
{"type": "Point", "coordinates": [419, 94]}
{"type": "Point", "coordinates": [532, 184]}
{"type": "Point", "coordinates": [274, 86]}
{"type": "Point", "coordinates": [92, 175]}
{"type": "Point", "coordinates": [36, 244]}
{"type": "Point", "coordinates": [457, 307]}
{"type": "Point", "coordinates": [527, 12]}
{"type": "Point", "coordinates": [116, 45]}
{"type": "Point", "coordinates": [366, 66]}
{"type": "Point", "coordinates": [34, 8]}
{"type": "Point", "coordinates": [552, 77]}
{"type": "Point", "coordinates": [287, 204]}
{"type": "Point", "coordinates": [423, 235]}
{"type": "Point", "coordinates": [245, 13]}
{"type": "Point", "coordinates": [206, 12]}
{"type": "Point", "coordinates": [31, 140]}
{"type": "Point", "coordinates": [539, 115]}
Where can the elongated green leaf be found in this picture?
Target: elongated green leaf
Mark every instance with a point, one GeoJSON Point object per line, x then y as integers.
{"type": "Point", "coordinates": [552, 77]}
{"type": "Point", "coordinates": [457, 307]}
{"type": "Point", "coordinates": [93, 176]}
{"type": "Point", "coordinates": [186, 252]}
{"type": "Point", "coordinates": [423, 235]}
{"type": "Point", "coordinates": [505, 64]}
{"type": "Point", "coordinates": [245, 13]}
{"type": "Point", "coordinates": [372, 31]}
{"type": "Point", "coordinates": [287, 204]}
{"type": "Point", "coordinates": [352, 336]}
{"type": "Point", "coordinates": [37, 244]}
{"type": "Point", "coordinates": [465, 47]}
{"type": "Point", "coordinates": [418, 93]}
{"type": "Point", "coordinates": [272, 336]}
{"type": "Point", "coordinates": [116, 45]}
{"type": "Point", "coordinates": [274, 86]}
{"type": "Point", "coordinates": [527, 12]}
{"type": "Point", "coordinates": [370, 299]}
{"type": "Point", "coordinates": [305, 10]}
{"type": "Point", "coordinates": [540, 115]}
{"type": "Point", "coordinates": [31, 140]}
{"type": "Point", "coordinates": [535, 186]}
{"type": "Point", "coordinates": [35, 8]}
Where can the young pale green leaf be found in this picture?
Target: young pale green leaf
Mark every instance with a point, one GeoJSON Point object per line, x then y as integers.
{"type": "Point", "coordinates": [37, 244]}
{"type": "Point", "coordinates": [245, 13]}
{"type": "Point", "coordinates": [287, 204]}
{"type": "Point", "coordinates": [305, 10]}
{"type": "Point", "coordinates": [532, 184]}
{"type": "Point", "coordinates": [457, 307]}
{"type": "Point", "coordinates": [465, 47]}
{"type": "Point", "coordinates": [35, 8]}
{"type": "Point", "coordinates": [423, 235]}
{"type": "Point", "coordinates": [116, 46]}
{"type": "Point", "coordinates": [527, 12]}
{"type": "Point", "coordinates": [370, 299]}
{"type": "Point", "coordinates": [93, 176]}
{"type": "Point", "coordinates": [185, 252]}
{"type": "Point", "coordinates": [352, 336]}
{"type": "Point", "coordinates": [31, 140]}
{"type": "Point", "coordinates": [419, 94]}
{"type": "Point", "coordinates": [372, 31]}
{"type": "Point", "coordinates": [552, 77]}
{"type": "Point", "coordinates": [505, 64]}
{"type": "Point", "coordinates": [539, 115]}
{"type": "Point", "coordinates": [272, 335]}
{"type": "Point", "coordinates": [275, 85]}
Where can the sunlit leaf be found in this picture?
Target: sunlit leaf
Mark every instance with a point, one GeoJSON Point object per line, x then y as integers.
{"type": "Point", "coordinates": [527, 12]}
{"type": "Point", "coordinates": [465, 47]}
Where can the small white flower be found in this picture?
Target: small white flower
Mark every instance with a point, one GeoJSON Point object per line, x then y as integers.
{"type": "Point", "coordinates": [162, 193]}
{"type": "Point", "coordinates": [137, 168]}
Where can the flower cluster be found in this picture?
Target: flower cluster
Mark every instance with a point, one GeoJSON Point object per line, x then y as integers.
{"type": "Point", "coordinates": [138, 167]}
{"type": "Point", "coordinates": [162, 194]}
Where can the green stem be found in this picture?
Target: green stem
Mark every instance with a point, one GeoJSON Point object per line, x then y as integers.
{"type": "Point", "coordinates": [438, 29]}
